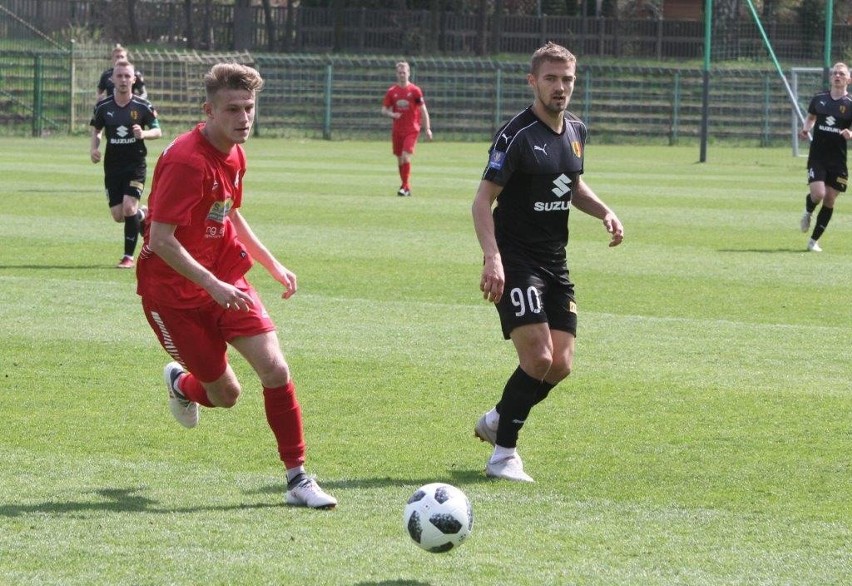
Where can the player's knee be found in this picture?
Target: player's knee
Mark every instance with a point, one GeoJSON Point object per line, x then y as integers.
{"type": "Point", "coordinates": [223, 393]}
{"type": "Point", "coordinates": [276, 374]}
{"type": "Point", "coordinates": [537, 365]}
{"type": "Point", "coordinates": [558, 372]}
{"type": "Point", "coordinates": [229, 396]}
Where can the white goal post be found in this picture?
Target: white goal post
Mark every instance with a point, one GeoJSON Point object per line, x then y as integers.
{"type": "Point", "coordinates": [805, 82]}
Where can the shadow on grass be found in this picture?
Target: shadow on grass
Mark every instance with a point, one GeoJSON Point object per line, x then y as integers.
{"type": "Point", "coordinates": [394, 583]}
{"type": "Point", "coordinates": [60, 267]}
{"type": "Point", "coordinates": [459, 478]}
{"type": "Point", "coordinates": [57, 191]}
{"type": "Point", "coordinates": [120, 501]}
{"type": "Point", "coordinates": [128, 500]}
{"type": "Point", "coordinates": [764, 250]}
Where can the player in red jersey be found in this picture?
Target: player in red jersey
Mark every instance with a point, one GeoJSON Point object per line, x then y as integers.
{"type": "Point", "coordinates": [405, 104]}
{"type": "Point", "coordinates": [191, 276]}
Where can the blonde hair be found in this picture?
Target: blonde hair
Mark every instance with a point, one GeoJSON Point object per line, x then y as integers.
{"type": "Point", "coordinates": [124, 63]}
{"type": "Point", "coordinates": [232, 76]}
{"type": "Point", "coordinates": [119, 48]}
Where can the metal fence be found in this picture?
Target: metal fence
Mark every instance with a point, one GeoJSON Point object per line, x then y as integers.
{"type": "Point", "coordinates": [339, 97]}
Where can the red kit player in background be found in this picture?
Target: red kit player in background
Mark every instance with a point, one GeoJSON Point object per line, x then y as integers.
{"type": "Point", "coordinates": [404, 103]}
{"type": "Point", "coordinates": [198, 247]}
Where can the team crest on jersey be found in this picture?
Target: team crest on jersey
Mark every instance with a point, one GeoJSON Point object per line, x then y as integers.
{"type": "Point", "coordinates": [843, 109]}
{"type": "Point", "coordinates": [219, 210]}
{"type": "Point", "coordinates": [498, 158]}
{"type": "Point", "coordinates": [577, 148]}
{"type": "Point", "coordinates": [134, 115]}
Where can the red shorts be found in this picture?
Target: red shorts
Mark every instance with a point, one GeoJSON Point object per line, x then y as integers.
{"type": "Point", "coordinates": [404, 142]}
{"type": "Point", "coordinates": [197, 337]}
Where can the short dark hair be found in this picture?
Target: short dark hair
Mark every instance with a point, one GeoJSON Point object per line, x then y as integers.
{"type": "Point", "coordinates": [550, 52]}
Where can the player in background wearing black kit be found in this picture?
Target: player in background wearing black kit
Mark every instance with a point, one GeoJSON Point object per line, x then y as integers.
{"type": "Point", "coordinates": [105, 85]}
{"type": "Point", "coordinates": [830, 118]}
{"type": "Point", "coordinates": [129, 121]}
{"type": "Point", "coordinates": [534, 176]}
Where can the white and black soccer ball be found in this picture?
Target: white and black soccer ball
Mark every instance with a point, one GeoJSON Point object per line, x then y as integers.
{"type": "Point", "coordinates": [438, 517]}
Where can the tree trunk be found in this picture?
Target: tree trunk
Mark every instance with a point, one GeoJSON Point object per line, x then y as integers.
{"type": "Point", "coordinates": [497, 32]}
{"type": "Point", "coordinates": [270, 26]}
{"type": "Point", "coordinates": [131, 20]}
{"type": "Point", "coordinates": [187, 14]}
{"type": "Point", "coordinates": [208, 40]}
{"type": "Point", "coordinates": [482, 44]}
{"type": "Point", "coordinates": [435, 43]}
{"type": "Point", "coordinates": [724, 36]}
{"type": "Point", "coordinates": [290, 26]}
{"type": "Point", "coordinates": [339, 16]}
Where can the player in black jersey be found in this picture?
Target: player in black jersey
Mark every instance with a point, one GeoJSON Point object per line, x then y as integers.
{"type": "Point", "coordinates": [105, 84]}
{"type": "Point", "coordinates": [128, 121]}
{"type": "Point", "coordinates": [830, 118]}
{"type": "Point", "coordinates": [534, 175]}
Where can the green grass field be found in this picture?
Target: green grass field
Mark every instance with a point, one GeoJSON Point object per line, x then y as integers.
{"type": "Point", "coordinates": [705, 436]}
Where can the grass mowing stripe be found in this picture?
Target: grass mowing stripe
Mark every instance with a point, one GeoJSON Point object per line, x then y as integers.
{"type": "Point", "coordinates": [703, 437]}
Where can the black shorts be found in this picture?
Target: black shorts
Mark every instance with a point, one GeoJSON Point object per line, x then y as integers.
{"type": "Point", "coordinates": [835, 176]}
{"type": "Point", "coordinates": [130, 182]}
{"type": "Point", "coordinates": [537, 295]}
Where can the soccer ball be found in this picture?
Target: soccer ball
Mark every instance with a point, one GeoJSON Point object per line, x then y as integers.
{"type": "Point", "coordinates": [438, 517]}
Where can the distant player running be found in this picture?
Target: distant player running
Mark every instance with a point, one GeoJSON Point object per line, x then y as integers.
{"type": "Point", "coordinates": [128, 121]}
{"type": "Point", "coordinates": [830, 118]}
{"type": "Point", "coordinates": [106, 87]}
{"type": "Point", "coordinates": [404, 103]}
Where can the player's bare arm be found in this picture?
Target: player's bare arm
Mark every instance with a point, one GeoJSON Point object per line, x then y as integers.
{"type": "Point", "coordinates": [424, 113]}
{"type": "Point", "coordinates": [150, 134]}
{"type": "Point", "coordinates": [163, 243]}
{"type": "Point", "coordinates": [389, 112]}
{"type": "Point", "coordinates": [261, 254]}
{"type": "Point", "coordinates": [807, 126]}
{"type": "Point", "coordinates": [585, 200]}
{"type": "Point", "coordinates": [94, 149]}
{"type": "Point", "coordinates": [493, 278]}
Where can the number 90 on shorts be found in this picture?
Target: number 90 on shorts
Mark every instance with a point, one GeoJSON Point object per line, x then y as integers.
{"type": "Point", "coordinates": [538, 297]}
